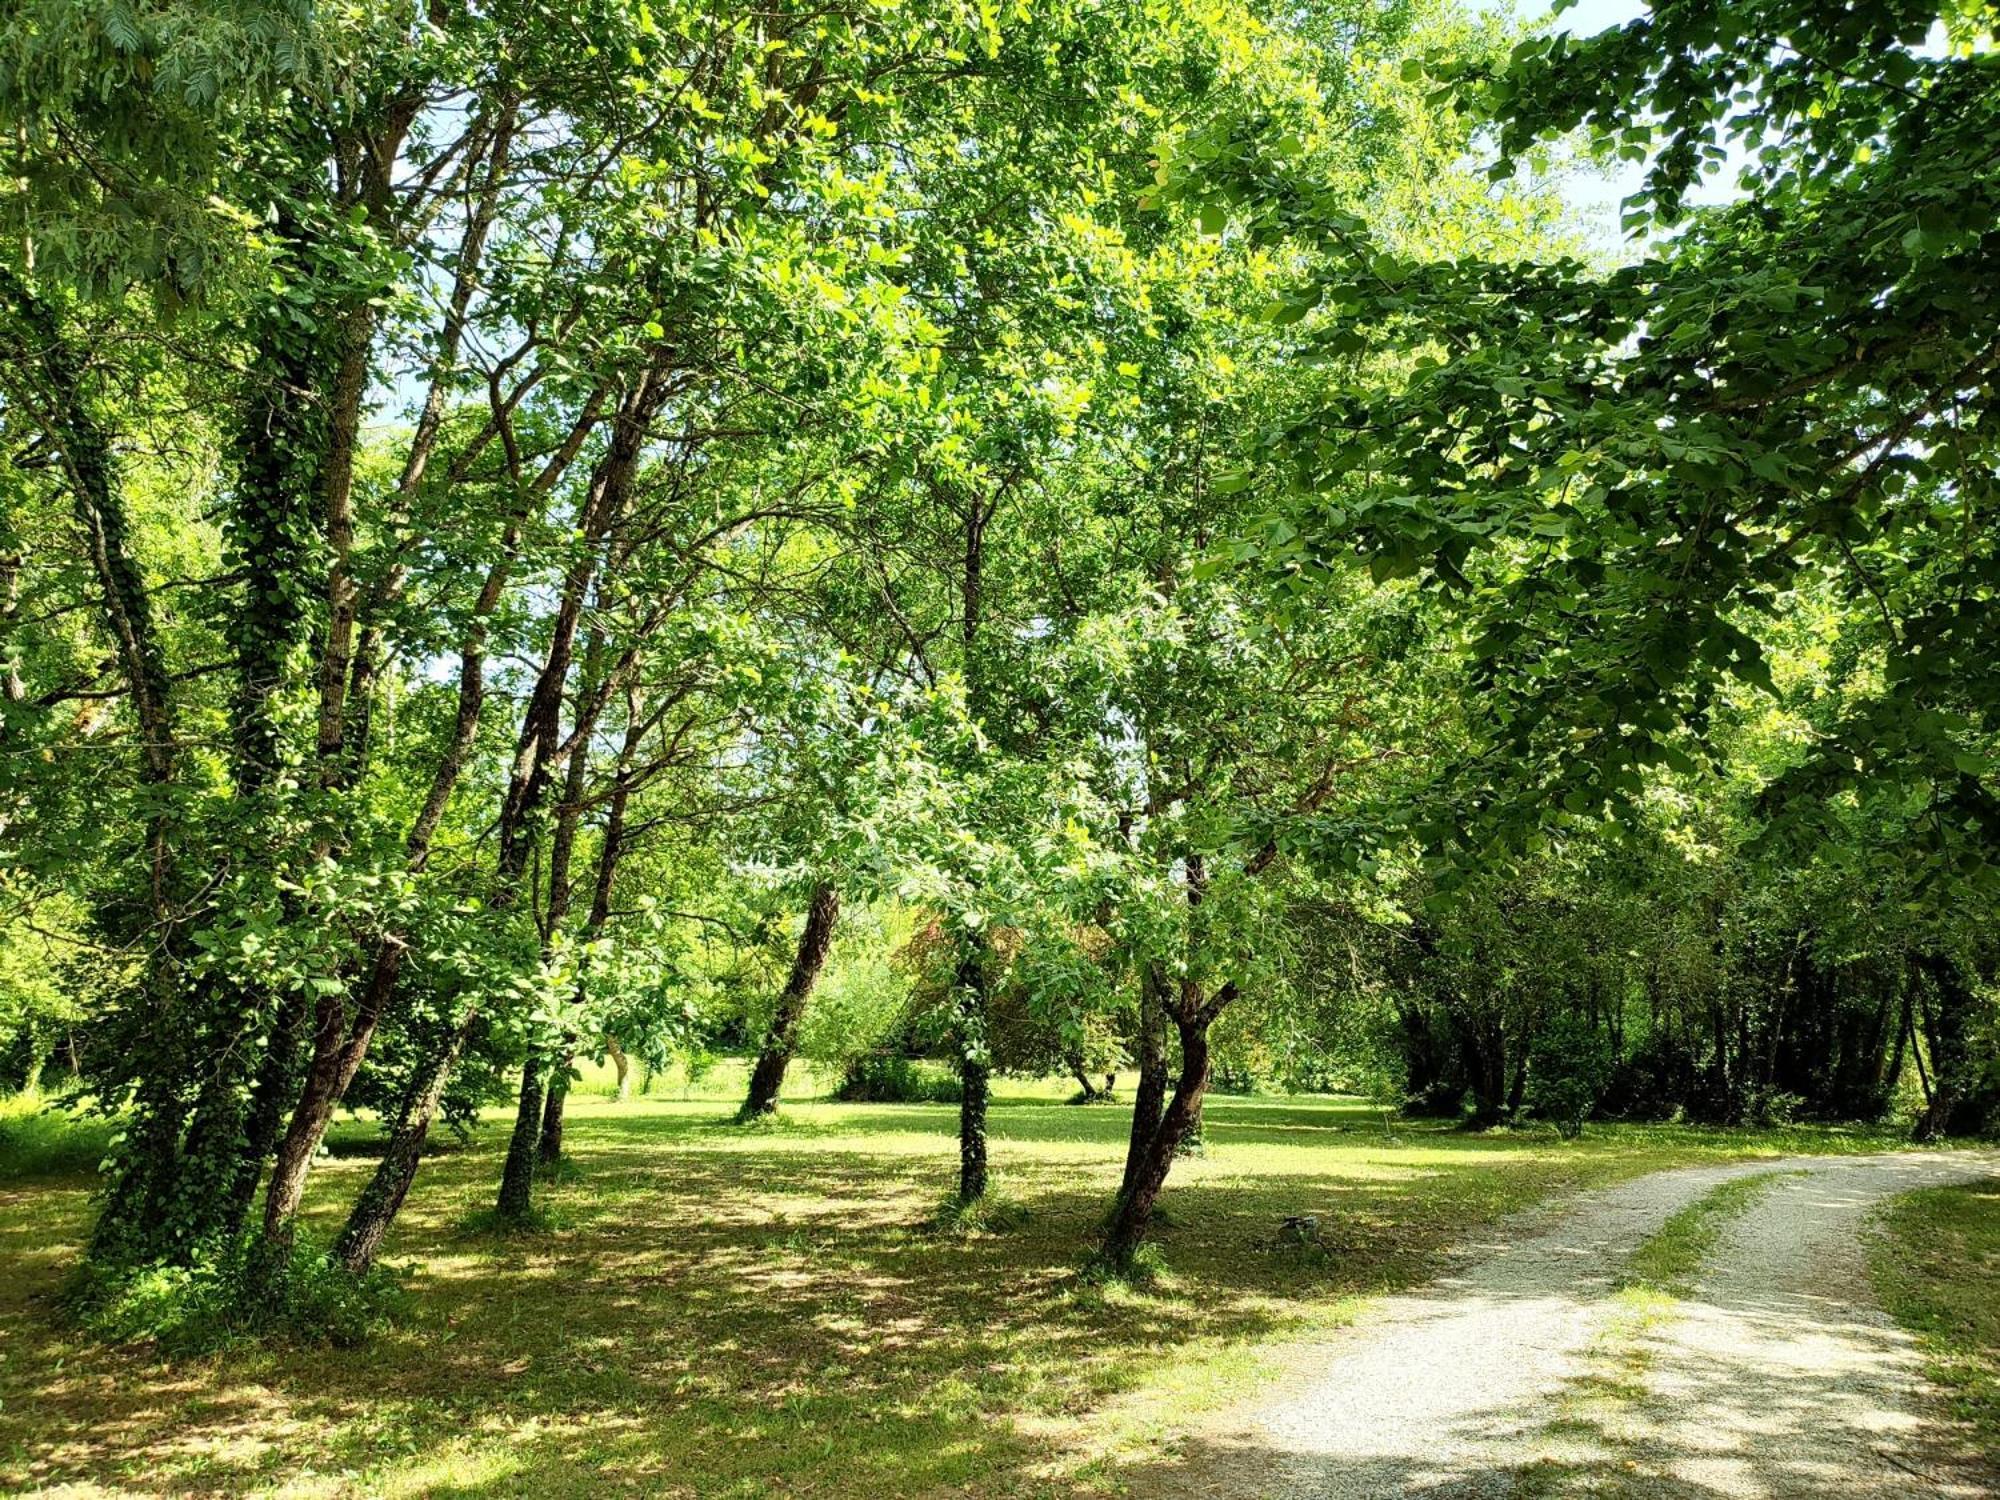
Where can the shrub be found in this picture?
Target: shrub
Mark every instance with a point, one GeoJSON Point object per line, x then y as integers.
{"type": "Point", "coordinates": [244, 1293]}
{"type": "Point", "coordinates": [1570, 1068]}
{"type": "Point", "coordinates": [1770, 1106]}
{"type": "Point", "coordinates": [1232, 1076]}
{"type": "Point", "coordinates": [889, 1078]}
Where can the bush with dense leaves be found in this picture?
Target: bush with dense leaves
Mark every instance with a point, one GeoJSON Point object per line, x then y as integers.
{"type": "Point", "coordinates": [1568, 1072]}
{"type": "Point", "coordinates": [889, 1078]}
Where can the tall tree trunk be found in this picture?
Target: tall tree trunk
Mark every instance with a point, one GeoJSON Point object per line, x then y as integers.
{"type": "Point", "coordinates": [973, 1073]}
{"type": "Point", "coordinates": [339, 1048]}
{"type": "Point", "coordinates": [1892, 1073]}
{"type": "Point", "coordinates": [528, 782]}
{"type": "Point", "coordinates": [622, 1065]}
{"type": "Point", "coordinates": [42, 373]}
{"type": "Point", "coordinates": [969, 986]}
{"type": "Point", "coordinates": [815, 941]}
{"type": "Point", "coordinates": [548, 1151]}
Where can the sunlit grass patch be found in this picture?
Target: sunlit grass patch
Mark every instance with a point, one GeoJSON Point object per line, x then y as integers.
{"type": "Point", "coordinates": [716, 1311]}
{"type": "Point", "coordinates": [41, 1138]}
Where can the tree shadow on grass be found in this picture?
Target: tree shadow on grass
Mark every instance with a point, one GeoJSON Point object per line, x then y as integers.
{"type": "Point", "coordinates": [744, 1313]}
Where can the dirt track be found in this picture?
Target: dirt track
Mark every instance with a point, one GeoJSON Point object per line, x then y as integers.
{"type": "Point", "coordinates": [1518, 1373]}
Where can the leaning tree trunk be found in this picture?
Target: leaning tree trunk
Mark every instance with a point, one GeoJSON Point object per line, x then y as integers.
{"type": "Point", "coordinates": [1134, 1209]}
{"type": "Point", "coordinates": [769, 1074]}
{"type": "Point", "coordinates": [622, 1065]}
{"type": "Point", "coordinates": [548, 1149]}
{"type": "Point", "coordinates": [375, 1210]}
{"type": "Point", "coordinates": [1193, 1142]}
{"type": "Point", "coordinates": [338, 1050]}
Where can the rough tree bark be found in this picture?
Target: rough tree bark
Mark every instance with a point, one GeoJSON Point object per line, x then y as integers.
{"type": "Point", "coordinates": [969, 997]}
{"type": "Point", "coordinates": [969, 989]}
{"type": "Point", "coordinates": [1149, 1097]}
{"type": "Point", "coordinates": [822, 915]}
{"type": "Point", "coordinates": [1133, 1211]}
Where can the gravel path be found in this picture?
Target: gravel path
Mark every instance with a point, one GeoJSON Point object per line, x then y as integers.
{"type": "Point", "coordinates": [1779, 1380]}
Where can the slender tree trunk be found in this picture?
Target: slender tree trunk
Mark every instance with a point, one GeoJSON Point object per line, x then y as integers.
{"type": "Point", "coordinates": [548, 1150]}
{"type": "Point", "coordinates": [1892, 1074]}
{"type": "Point", "coordinates": [814, 943]}
{"type": "Point", "coordinates": [970, 998]}
{"type": "Point", "coordinates": [338, 1047]}
{"type": "Point", "coordinates": [1192, 1143]}
{"type": "Point", "coordinates": [1945, 1036]}
{"type": "Point", "coordinates": [1149, 1096]}
{"type": "Point", "coordinates": [375, 1210]}
{"type": "Point", "coordinates": [622, 1065]}
{"type": "Point", "coordinates": [337, 1054]}
{"type": "Point", "coordinates": [973, 1072]}
{"type": "Point", "coordinates": [528, 781]}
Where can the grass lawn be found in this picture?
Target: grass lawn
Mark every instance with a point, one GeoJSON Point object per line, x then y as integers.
{"type": "Point", "coordinates": [1937, 1266]}
{"type": "Point", "coordinates": [718, 1311]}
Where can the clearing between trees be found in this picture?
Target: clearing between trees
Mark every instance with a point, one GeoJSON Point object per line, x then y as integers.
{"type": "Point", "coordinates": [718, 1310]}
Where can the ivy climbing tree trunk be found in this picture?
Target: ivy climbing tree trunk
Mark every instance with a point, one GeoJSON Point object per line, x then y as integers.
{"type": "Point", "coordinates": [969, 991]}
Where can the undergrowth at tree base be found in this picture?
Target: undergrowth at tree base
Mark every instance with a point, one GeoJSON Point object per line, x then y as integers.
{"type": "Point", "coordinates": [245, 1293]}
{"type": "Point", "coordinates": [990, 1213]}
{"type": "Point", "coordinates": [1141, 1273]}
{"type": "Point", "coordinates": [494, 1223]}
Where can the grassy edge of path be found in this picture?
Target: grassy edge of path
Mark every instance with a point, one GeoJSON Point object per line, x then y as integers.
{"type": "Point", "coordinates": [1936, 1266]}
